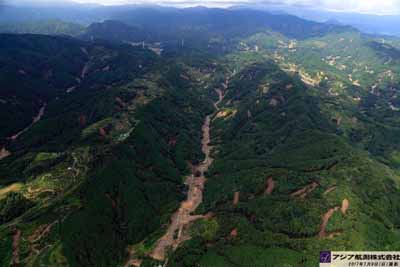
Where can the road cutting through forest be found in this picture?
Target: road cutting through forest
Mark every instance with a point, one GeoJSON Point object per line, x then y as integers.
{"type": "Point", "coordinates": [180, 220]}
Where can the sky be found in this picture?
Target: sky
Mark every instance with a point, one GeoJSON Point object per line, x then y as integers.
{"type": "Point", "coordinates": [381, 7]}
{"type": "Point", "coordinates": [361, 6]}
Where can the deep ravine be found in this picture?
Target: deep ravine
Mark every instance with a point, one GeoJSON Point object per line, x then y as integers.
{"type": "Point", "coordinates": [181, 219]}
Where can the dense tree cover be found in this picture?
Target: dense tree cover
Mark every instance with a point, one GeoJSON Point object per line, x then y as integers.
{"type": "Point", "coordinates": [141, 118]}
{"type": "Point", "coordinates": [114, 31]}
{"type": "Point", "coordinates": [196, 23]}
{"type": "Point", "coordinates": [281, 133]}
{"type": "Point", "coordinates": [103, 169]}
{"type": "Point", "coordinates": [138, 184]}
{"type": "Point", "coordinates": [12, 206]}
{"type": "Point", "coordinates": [49, 27]}
{"type": "Point", "coordinates": [355, 80]}
{"type": "Point", "coordinates": [30, 75]}
{"type": "Point", "coordinates": [38, 69]}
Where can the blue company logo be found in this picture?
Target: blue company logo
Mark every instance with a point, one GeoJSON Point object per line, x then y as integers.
{"type": "Point", "coordinates": [325, 257]}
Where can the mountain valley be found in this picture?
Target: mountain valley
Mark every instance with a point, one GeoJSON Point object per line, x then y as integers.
{"type": "Point", "coordinates": [220, 138]}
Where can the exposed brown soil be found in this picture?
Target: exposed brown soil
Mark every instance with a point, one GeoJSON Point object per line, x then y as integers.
{"type": "Point", "coordinates": [114, 203]}
{"type": "Point", "coordinates": [102, 132]}
{"type": "Point", "coordinates": [345, 206]}
{"type": "Point", "coordinates": [225, 85]}
{"type": "Point", "coordinates": [134, 263]}
{"type": "Point", "coordinates": [84, 51]}
{"type": "Point", "coordinates": [70, 89]}
{"type": "Point", "coordinates": [221, 93]}
{"type": "Point", "coordinates": [220, 97]}
{"type": "Point", "coordinates": [84, 71]}
{"type": "Point", "coordinates": [15, 248]}
{"type": "Point", "coordinates": [4, 153]}
{"type": "Point", "coordinates": [181, 219]}
{"type": "Point", "coordinates": [82, 120]}
{"type": "Point", "coordinates": [330, 189]}
{"type": "Point", "coordinates": [35, 120]}
{"type": "Point", "coordinates": [236, 197]}
{"type": "Point", "coordinates": [172, 141]}
{"type": "Point", "coordinates": [302, 193]}
{"type": "Point", "coordinates": [273, 102]}
{"type": "Point", "coordinates": [120, 102]}
{"type": "Point", "coordinates": [15, 187]}
{"type": "Point", "coordinates": [270, 186]}
{"type": "Point", "coordinates": [234, 233]}
{"type": "Point", "coordinates": [333, 234]}
{"type": "Point", "coordinates": [33, 193]}
{"type": "Point", "coordinates": [41, 232]}
{"type": "Point", "coordinates": [222, 114]}
{"type": "Point", "coordinates": [325, 219]}
{"type": "Point", "coordinates": [40, 114]}
{"type": "Point", "coordinates": [185, 77]}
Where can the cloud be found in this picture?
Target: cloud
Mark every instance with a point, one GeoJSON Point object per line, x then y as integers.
{"type": "Point", "coordinates": [361, 6]}
{"type": "Point", "coordinates": [220, 3]}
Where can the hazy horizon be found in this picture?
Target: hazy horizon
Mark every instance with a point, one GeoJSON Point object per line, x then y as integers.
{"type": "Point", "coordinates": [373, 7]}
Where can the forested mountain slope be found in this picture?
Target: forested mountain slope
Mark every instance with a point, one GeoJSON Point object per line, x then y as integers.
{"type": "Point", "coordinates": [285, 184]}
{"type": "Point", "coordinates": [49, 27]}
{"type": "Point", "coordinates": [100, 134]}
{"type": "Point", "coordinates": [105, 161]}
{"type": "Point", "coordinates": [148, 23]}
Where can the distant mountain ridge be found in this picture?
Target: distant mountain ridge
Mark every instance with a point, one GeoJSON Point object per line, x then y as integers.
{"type": "Point", "coordinates": [227, 21]}
{"type": "Point", "coordinates": [48, 27]}
{"type": "Point", "coordinates": [367, 23]}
